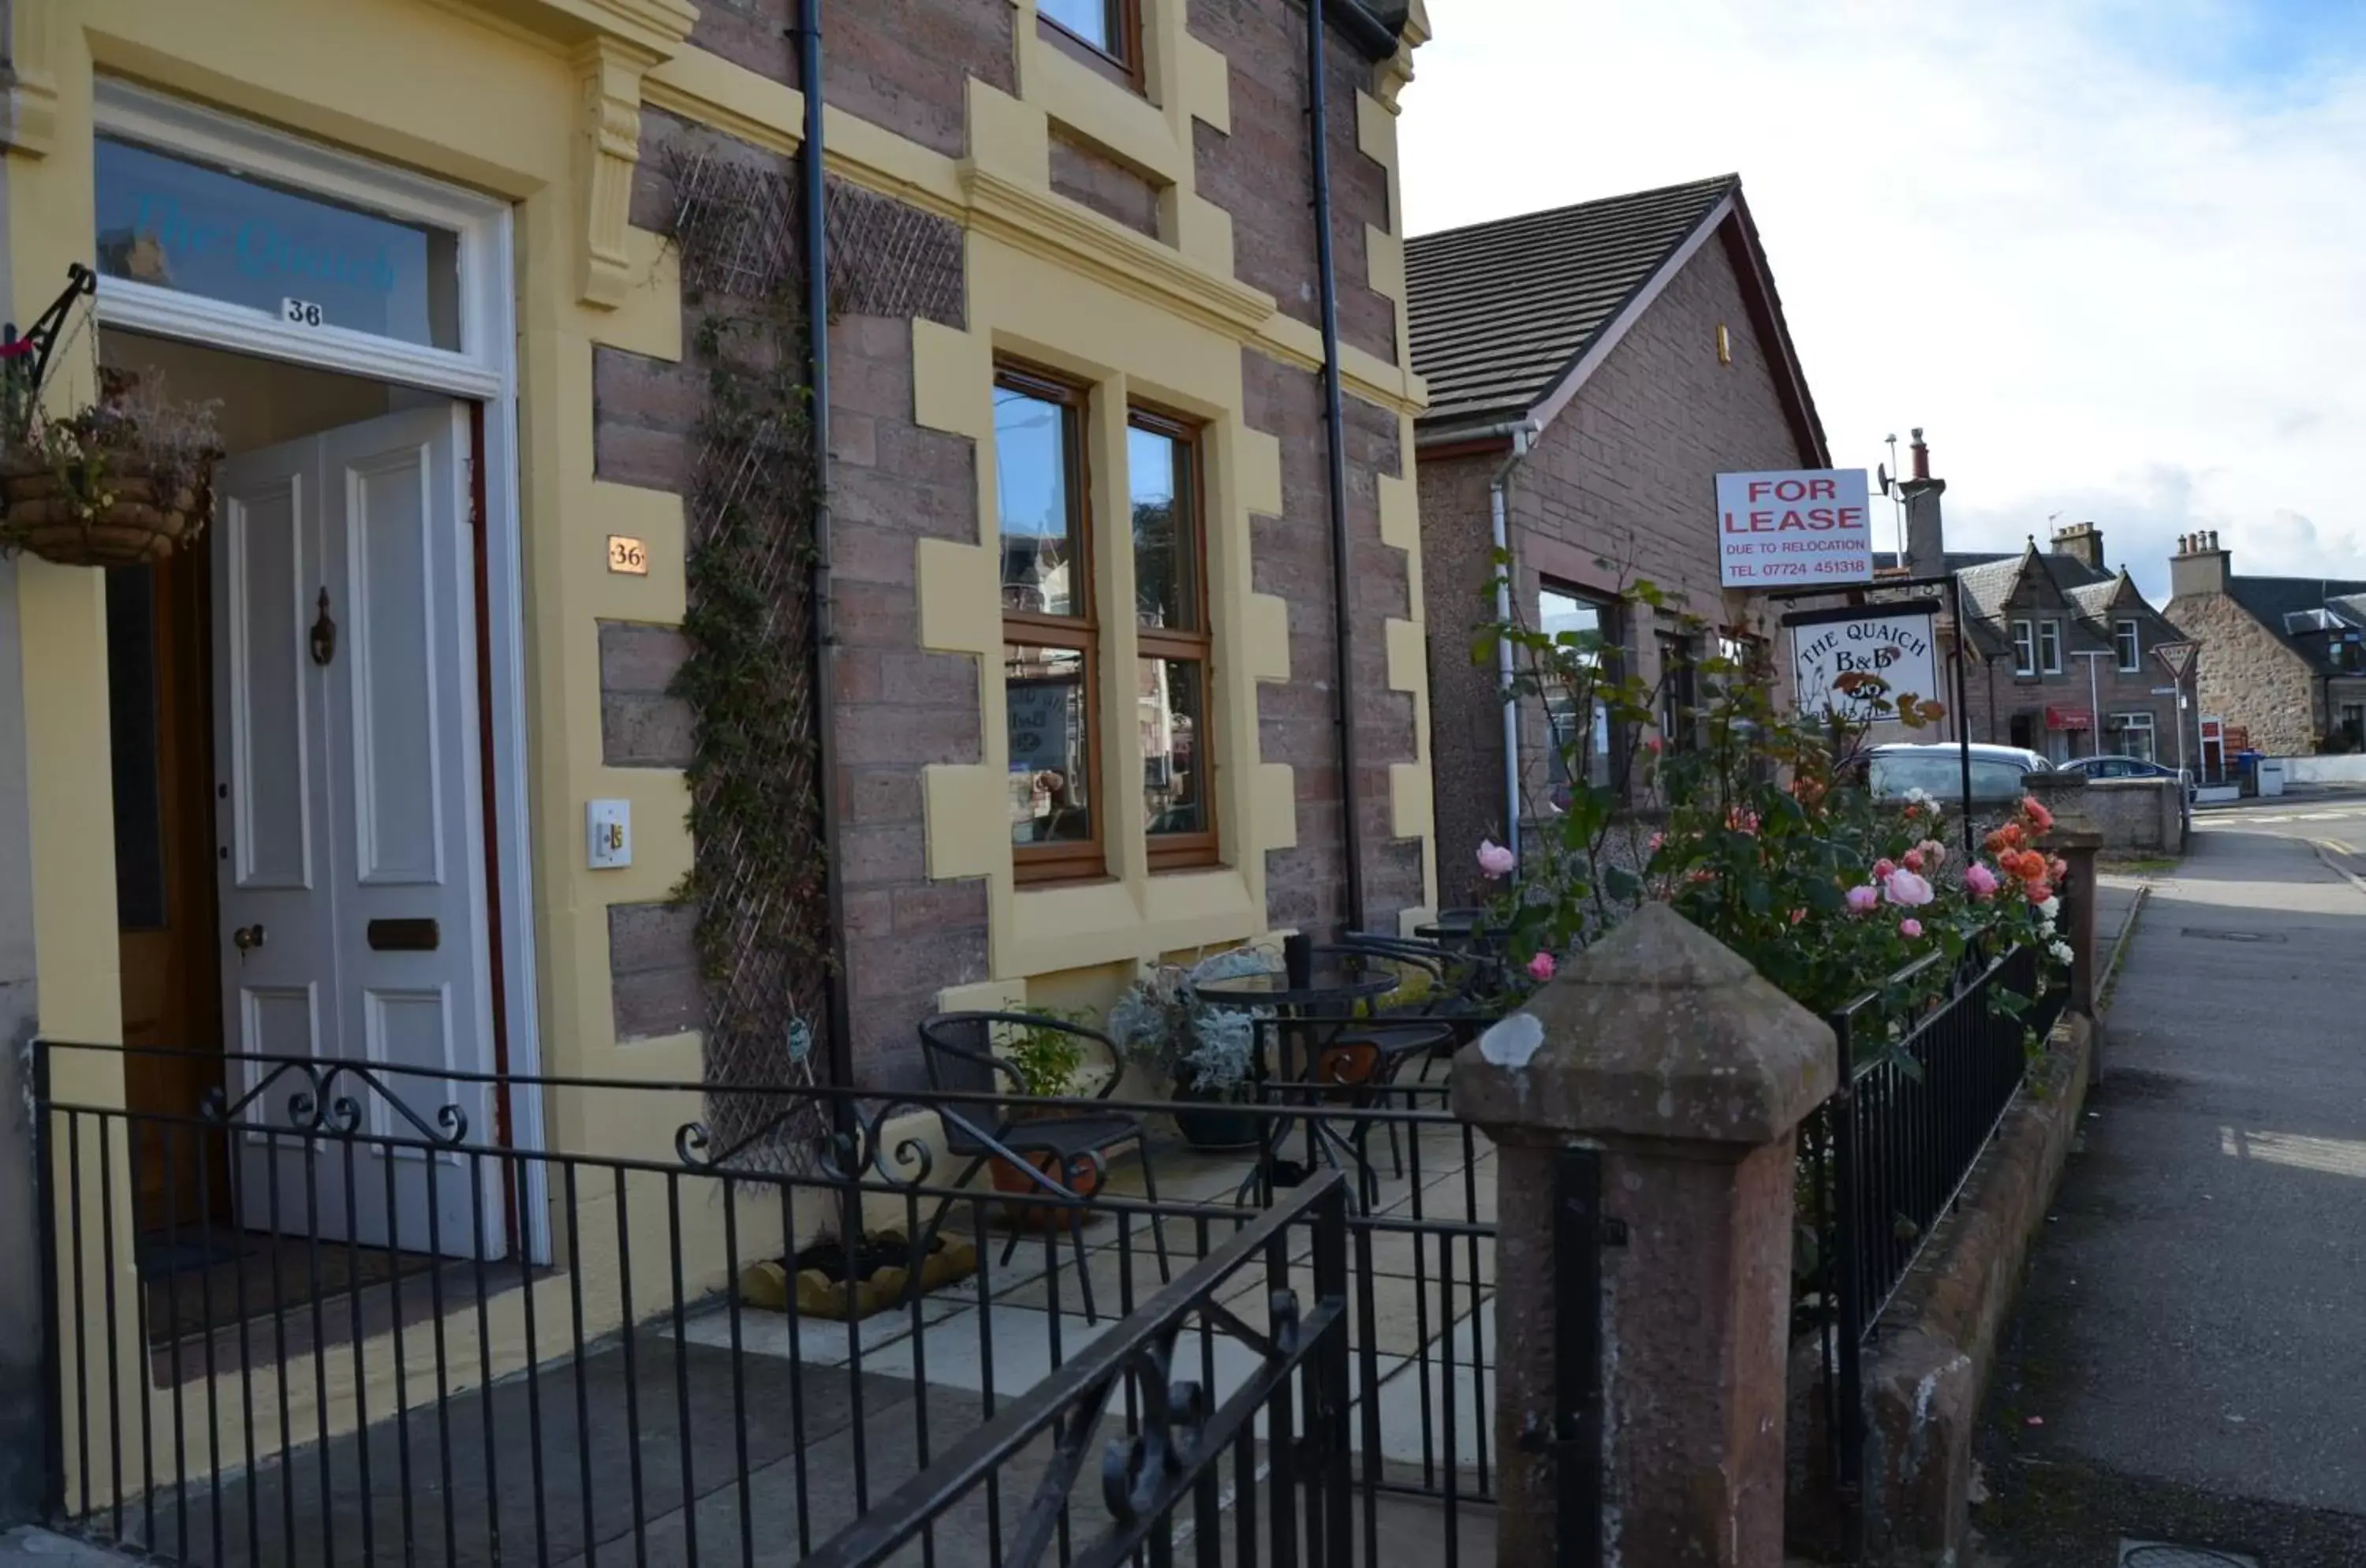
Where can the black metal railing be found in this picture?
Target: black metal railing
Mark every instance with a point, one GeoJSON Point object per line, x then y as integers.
{"type": "Point", "coordinates": [1885, 1157]}
{"type": "Point", "coordinates": [339, 1315]}
{"type": "Point", "coordinates": [1164, 1450]}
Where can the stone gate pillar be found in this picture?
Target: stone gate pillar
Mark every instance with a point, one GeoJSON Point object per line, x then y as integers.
{"type": "Point", "coordinates": [1685, 1073]}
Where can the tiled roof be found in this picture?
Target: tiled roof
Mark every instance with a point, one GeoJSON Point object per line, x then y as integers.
{"type": "Point", "coordinates": [1502, 311]}
{"type": "Point", "coordinates": [2270, 599]}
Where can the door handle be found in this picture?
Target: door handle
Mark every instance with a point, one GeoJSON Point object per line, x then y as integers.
{"type": "Point", "coordinates": [246, 939]}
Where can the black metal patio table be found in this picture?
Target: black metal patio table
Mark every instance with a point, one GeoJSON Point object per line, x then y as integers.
{"type": "Point", "coordinates": [1312, 999]}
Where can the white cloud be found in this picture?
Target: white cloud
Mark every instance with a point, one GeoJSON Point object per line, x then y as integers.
{"type": "Point", "coordinates": [2112, 279]}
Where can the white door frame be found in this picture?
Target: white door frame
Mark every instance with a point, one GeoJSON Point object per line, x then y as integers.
{"type": "Point", "coordinates": [483, 369]}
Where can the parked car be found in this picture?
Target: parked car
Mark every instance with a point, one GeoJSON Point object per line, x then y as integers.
{"type": "Point", "coordinates": [1938, 770]}
{"type": "Point", "coordinates": [2124, 768]}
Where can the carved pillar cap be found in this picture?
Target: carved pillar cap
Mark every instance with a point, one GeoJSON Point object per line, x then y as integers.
{"type": "Point", "coordinates": [1659, 1031]}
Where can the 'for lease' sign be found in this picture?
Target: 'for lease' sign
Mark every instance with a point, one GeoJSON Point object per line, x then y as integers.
{"type": "Point", "coordinates": [1795, 529]}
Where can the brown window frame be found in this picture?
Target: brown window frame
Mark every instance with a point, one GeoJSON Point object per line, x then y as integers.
{"type": "Point", "coordinates": [1125, 35]}
{"type": "Point", "coordinates": [1087, 859]}
{"type": "Point", "coordinates": [1184, 852]}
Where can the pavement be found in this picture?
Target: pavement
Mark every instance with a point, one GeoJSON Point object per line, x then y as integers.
{"type": "Point", "coordinates": [2186, 1364]}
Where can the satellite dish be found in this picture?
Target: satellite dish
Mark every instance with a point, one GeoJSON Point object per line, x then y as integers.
{"type": "Point", "coordinates": [1882, 470]}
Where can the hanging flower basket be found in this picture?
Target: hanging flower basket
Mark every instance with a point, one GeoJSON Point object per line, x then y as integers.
{"type": "Point", "coordinates": [131, 515]}
{"type": "Point", "coordinates": [122, 482]}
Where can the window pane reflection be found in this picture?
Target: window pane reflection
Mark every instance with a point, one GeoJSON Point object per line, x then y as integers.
{"type": "Point", "coordinates": [1041, 568]}
{"type": "Point", "coordinates": [1088, 19]}
{"type": "Point", "coordinates": [1174, 716]}
{"type": "Point", "coordinates": [1166, 556]}
{"type": "Point", "coordinates": [1050, 745]}
{"type": "Point", "coordinates": [1583, 621]}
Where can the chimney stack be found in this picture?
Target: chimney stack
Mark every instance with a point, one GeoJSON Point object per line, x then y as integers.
{"type": "Point", "coordinates": [1926, 538]}
{"type": "Point", "coordinates": [2082, 540]}
{"type": "Point", "coordinates": [2200, 567]}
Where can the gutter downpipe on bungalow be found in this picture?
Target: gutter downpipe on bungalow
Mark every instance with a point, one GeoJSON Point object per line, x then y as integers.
{"type": "Point", "coordinates": [1522, 433]}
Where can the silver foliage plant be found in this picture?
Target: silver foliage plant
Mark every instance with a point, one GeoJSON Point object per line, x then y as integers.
{"type": "Point", "coordinates": [1199, 1048]}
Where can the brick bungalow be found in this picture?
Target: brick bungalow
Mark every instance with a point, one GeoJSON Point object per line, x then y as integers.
{"type": "Point", "coordinates": [2282, 662]}
{"type": "Point", "coordinates": [1602, 364]}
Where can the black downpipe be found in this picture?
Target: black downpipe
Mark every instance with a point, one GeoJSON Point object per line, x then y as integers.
{"type": "Point", "coordinates": [1334, 417]}
{"type": "Point", "coordinates": [816, 236]}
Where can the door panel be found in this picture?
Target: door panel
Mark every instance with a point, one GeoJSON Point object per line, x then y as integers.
{"type": "Point", "coordinates": [397, 698]}
{"type": "Point", "coordinates": [270, 543]}
{"type": "Point", "coordinates": [379, 743]}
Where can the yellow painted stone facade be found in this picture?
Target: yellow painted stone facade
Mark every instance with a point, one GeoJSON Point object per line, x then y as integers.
{"type": "Point", "coordinates": [538, 103]}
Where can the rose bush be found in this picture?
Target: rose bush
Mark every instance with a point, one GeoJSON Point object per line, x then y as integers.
{"type": "Point", "coordinates": [1747, 820]}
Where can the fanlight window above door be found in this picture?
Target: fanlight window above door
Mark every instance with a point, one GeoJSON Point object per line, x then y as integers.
{"type": "Point", "coordinates": [175, 224]}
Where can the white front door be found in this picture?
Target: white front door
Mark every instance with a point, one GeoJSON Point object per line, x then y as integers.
{"type": "Point", "coordinates": [355, 936]}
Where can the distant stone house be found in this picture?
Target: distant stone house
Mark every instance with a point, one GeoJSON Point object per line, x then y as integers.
{"type": "Point", "coordinates": [2065, 649]}
{"type": "Point", "coordinates": [1594, 367]}
{"type": "Point", "coordinates": [2282, 659]}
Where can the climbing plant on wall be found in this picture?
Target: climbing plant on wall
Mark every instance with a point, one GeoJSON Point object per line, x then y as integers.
{"type": "Point", "coordinates": [758, 879]}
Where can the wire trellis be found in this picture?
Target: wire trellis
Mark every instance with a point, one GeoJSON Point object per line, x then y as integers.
{"type": "Point", "coordinates": [751, 678]}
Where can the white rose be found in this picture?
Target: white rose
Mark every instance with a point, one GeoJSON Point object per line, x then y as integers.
{"type": "Point", "coordinates": [2050, 908]}
{"type": "Point", "coordinates": [2061, 952]}
{"type": "Point", "coordinates": [2045, 925]}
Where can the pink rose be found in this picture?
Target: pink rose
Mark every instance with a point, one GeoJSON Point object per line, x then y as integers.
{"type": "Point", "coordinates": [1860, 900]}
{"type": "Point", "coordinates": [1494, 860]}
{"type": "Point", "coordinates": [1933, 853]}
{"type": "Point", "coordinates": [1541, 966]}
{"type": "Point", "coordinates": [1657, 839]}
{"type": "Point", "coordinates": [1905, 887]}
{"type": "Point", "coordinates": [1884, 868]}
{"type": "Point", "coordinates": [1910, 927]}
{"type": "Point", "coordinates": [2039, 892]}
{"type": "Point", "coordinates": [1653, 744]}
{"type": "Point", "coordinates": [1980, 880]}
{"type": "Point", "coordinates": [1741, 821]}
{"type": "Point", "coordinates": [2059, 867]}
{"type": "Point", "coordinates": [1914, 860]}
{"type": "Point", "coordinates": [1798, 915]}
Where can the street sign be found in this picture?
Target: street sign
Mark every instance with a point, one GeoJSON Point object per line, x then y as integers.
{"type": "Point", "coordinates": [1791, 527]}
{"type": "Point", "coordinates": [2164, 691]}
{"type": "Point", "coordinates": [2177, 658]}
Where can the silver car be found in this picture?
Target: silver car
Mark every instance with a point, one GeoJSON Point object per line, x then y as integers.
{"type": "Point", "coordinates": [1890, 771]}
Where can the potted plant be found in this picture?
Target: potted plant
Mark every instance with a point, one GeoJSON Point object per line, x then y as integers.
{"type": "Point", "coordinates": [121, 481]}
{"type": "Point", "coordinates": [1047, 1061]}
{"type": "Point", "coordinates": [1204, 1053]}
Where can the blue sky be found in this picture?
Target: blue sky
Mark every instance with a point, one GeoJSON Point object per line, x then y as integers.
{"type": "Point", "coordinates": [2107, 252]}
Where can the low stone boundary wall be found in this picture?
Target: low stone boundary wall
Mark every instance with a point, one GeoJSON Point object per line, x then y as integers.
{"type": "Point", "coordinates": [1928, 1363]}
{"type": "Point", "coordinates": [2137, 816]}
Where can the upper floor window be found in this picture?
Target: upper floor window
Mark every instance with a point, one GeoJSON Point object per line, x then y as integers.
{"type": "Point", "coordinates": [2127, 645]}
{"type": "Point", "coordinates": [2049, 647]}
{"type": "Point", "coordinates": [1051, 671]}
{"type": "Point", "coordinates": [2024, 648]}
{"type": "Point", "coordinates": [1172, 644]}
{"type": "Point", "coordinates": [1112, 28]}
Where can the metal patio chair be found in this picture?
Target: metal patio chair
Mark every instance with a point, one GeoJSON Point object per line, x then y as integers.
{"type": "Point", "coordinates": [958, 1051]}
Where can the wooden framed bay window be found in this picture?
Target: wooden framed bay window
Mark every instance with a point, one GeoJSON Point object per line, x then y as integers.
{"type": "Point", "coordinates": [1050, 655]}
{"type": "Point", "coordinates": [1172, 639]}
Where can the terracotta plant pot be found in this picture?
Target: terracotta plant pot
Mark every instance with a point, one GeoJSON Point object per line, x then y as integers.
{"type": "Point", "coordinates": [1084, 1179]}
{"type": "Point", "coordinates": [42, 513]}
